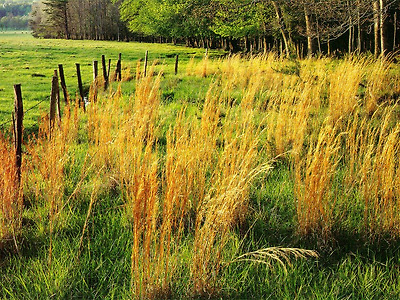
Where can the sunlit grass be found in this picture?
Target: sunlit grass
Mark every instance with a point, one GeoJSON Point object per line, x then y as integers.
{"type": "Point", "coordinates": [212, 183]}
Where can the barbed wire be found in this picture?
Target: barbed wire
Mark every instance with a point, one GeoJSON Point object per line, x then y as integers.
{"type": "Point", "coordinates": [25, 112]}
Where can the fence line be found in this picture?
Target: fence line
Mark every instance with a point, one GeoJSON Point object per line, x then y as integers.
{"type": "Point", "coordinates": [106, 74]}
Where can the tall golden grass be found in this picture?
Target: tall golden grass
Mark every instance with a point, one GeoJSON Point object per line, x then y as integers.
{"type": "Point", "coordinates": [44, 176]}
{"type": "Point", "coordinates": [11, 195]}
{"type": "Point", "coordinates": [202, 188]}
{"type": "Point", "coordinates": [334, 122]}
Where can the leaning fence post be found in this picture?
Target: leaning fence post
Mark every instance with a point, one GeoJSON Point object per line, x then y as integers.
{"type": "Point", "coordinates": [53, 100]}
{"type": "Point", "coordinates": [95, 69]}
{"type": "Point", "coordinates": [120, 67]}
{"type": "Point", "coordinates": [78, 73]}
{"type": "Point", "coordinates": [109, 66]}
{"type": "Point", "coordinates": [19, 116]}
{"type": "Point", "coordinates": [103, 63]}
{"type": "Point", "coordinates": [118, 72]}
{"type": "Point", "coordinates": [145, 63]}
{"type": "Point", "coordinates": [93, 95]}
{"type": "Point", "coordinates": [58, 98]}
{"type": "Point", "coordinates": [176, 64]}
{"type": "Point", "coordinates": [63, 85]}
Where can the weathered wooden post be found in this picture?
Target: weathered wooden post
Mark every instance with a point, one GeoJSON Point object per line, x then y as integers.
{"type": "Point", "coordinates": [18, 127]}
{"type": "Point", "coordinates": [58, 97]}
{"type": "Point", "coordinates": [53, 101]}
{"type": "Point", "coordinates": [119, 66]}
{"type": "Point", "coordinates": [145, 63]}
{"type": "Point", "coordinates": [93, 96]}
{"type": "Point", "coordinates": [63, 85]}
{"type": "Point", "coordinates": [80, 86]}
{"type": "Point", "coordinates": [118, 72]}
{"type": "Point", "coordinates": [95, 69]}
{"type": "Point", "coordinates": [108, 70]}
{"type": "Point", "coordinates": [103, 63]}
{"type": "Point", "coordinates": [176, 64]}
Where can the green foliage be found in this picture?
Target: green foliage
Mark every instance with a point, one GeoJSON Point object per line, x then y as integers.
{"type": "Point", "coordinates": [167, 18]}
{"type": "Point", "coordinates": [77, 19]}
{"type": "Point", "coordinates": [14, 15]}
{"type": "Point", "coordinates": [236, 19]}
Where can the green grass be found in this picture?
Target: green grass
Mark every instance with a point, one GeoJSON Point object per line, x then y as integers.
{"type": "Point", "coordinates": [31, 63]}
{"type": "Point", "coordinates": [350, 267]}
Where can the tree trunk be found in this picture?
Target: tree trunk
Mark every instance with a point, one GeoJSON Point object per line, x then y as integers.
{"type": "Point", "coordinates": [246, 44]}
{"type": "Point", "coordinates": [66, 27]}
{"type": "Point", "coordinates": [281, 24]}
{"type": "Point", "coordinates": [329, 46]}
{"type": "Point", "coordinates": [359, 46]}
{"type": "Point", "coordinates": [265, 44]}
{"type": "Point", "coordinates": [394, 30]}
{"type": "Point", "coordinates": [351, 29]}
{"type": "Point", "coordinates": [310, 44]}
{"type": "Point", "coordinates": [382, 26]}
{"type": "Point", "coordinates": [376, 28]}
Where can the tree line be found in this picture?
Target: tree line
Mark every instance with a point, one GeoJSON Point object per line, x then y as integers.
{"type": "Point", "coordinates": [291, 27]}
{"type": "Point", "coordinates": [14, 14]}
{"type": "Point", "coordinates": [78, 19]}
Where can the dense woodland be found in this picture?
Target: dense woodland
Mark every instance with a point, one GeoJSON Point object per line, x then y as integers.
{"type": "Point", "coordinates": [292, 27]}
{"type": "Point", "coordinates": [14, 14]}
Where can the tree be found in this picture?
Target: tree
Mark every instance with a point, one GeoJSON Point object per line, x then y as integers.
{"type": "Point", "coordinates": [57, 16]}
{"type": "Point", "coordinates": [78, 19]}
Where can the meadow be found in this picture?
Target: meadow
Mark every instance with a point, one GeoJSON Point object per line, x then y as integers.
{"type": "Point", "coordinates": [239, 178]}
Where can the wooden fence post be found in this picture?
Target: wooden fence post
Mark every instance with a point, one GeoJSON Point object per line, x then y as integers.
{"type": "Point", "coordinates": [118, 72]}
{"type": "Point", "coordinates": [176, 64]}
{"type": "Point", "coordinates": [103, 63]}
{"type": "Point", "coordinates": [120, 67]}
{"type": "Point", "coordinates": [63, 85]}
{"type": "Point", "coordinates": [145, 63]}
{"type": "Point", "coordinates": [19, 115]}
{"type": "Point", "coordinates": [95, 69]}
{"type": "Point", "coordinates": [53, 100]}
{"type": "Point", "coordinates": [93, 96]}
{"type": "Point", "coordinates": [58, 98]}
{"type": "Point", "coordinates": [80, 86]}
{"type": "Point", "coordinates": [108, 71]}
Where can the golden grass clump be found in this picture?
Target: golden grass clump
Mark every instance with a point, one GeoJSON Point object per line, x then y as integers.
{"type": "Point", "coordinates": [122, 136]}
{"type": "Point", "coordinates": [126, 74]}
{"type": "Point", "coordinates": [203, 188]}
{"type": "Point", "coordinates": [102, 129]}
{"type": "Point", "coordinates": [314, 174]}
{"type": "Point", "coordinates": [11, 195]}
{"type": "Point", "coordinates": [378, 80]}
{"type": "Point", "coordinates": [375, 171]}
{"type": "Point", "coordinates": [45, 178]}
{"type": "Point", "coordinates": [344, 85]}
{"type": "Point", "coordinates": [286, 127]}
{"type": "Point", "coordinates": [226, 200]}
{"type": "Point", "coordinates": [123, 148]}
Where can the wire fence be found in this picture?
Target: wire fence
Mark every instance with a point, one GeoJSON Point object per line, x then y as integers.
{"type": "Point", "coordinates": [106, 72]}
{"type": "Point", "coordinates": [3, 125]}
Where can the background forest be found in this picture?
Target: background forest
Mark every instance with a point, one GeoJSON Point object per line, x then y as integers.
{"type": "Point", "coordinates": [298, 27]}
{"type": "Point", "coordinates": [14, 14]}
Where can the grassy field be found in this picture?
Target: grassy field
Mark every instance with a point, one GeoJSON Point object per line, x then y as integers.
{"type": "Point", "coordinates": [31, 62]}
{"type": "Point", "coordinates": [240, 178]}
